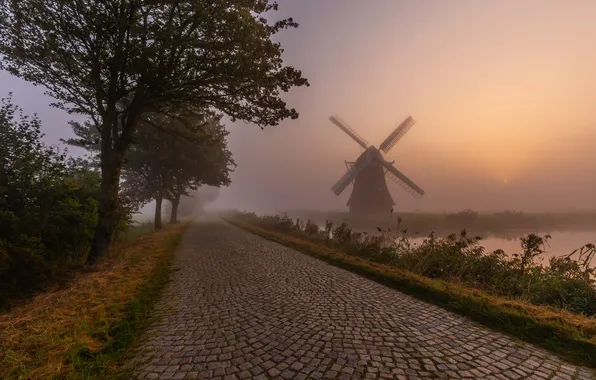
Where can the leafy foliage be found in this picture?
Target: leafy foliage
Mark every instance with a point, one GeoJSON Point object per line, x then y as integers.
{"type": "Point", "coordinates": [48, 205]}
{"type": "Point", "coordinates": [138, 55]}
{"type": "Point", "coordinates": [169, 156]}
{"type": "Point", "coordinates": [116, 60]}
{"type": "Point", "coordinates": [169, 159]}
{"type": "Point", "coordinates": [568, 282]}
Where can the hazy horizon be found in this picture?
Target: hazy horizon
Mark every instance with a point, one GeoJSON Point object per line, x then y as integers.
{"type": "Point", "coordinates": [503, 94]}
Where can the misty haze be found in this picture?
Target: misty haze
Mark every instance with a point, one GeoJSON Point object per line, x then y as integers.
{"type": "Point", "coordinates": [264, 189]}
{"type": "Point", "coordinates": [502, 94]}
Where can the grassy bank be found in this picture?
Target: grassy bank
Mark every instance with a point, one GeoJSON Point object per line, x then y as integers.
{"type": "Point", "coordinates": [82, 331]}
{"type": "Point", "coordinates": [568, 335]}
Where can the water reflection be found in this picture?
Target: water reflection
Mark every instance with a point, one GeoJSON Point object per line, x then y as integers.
{"type": "Point", "coordinates": [561, 242]}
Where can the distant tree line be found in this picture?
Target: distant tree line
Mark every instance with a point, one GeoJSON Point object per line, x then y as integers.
{"type": "Point", "coordinates": [153, 81]}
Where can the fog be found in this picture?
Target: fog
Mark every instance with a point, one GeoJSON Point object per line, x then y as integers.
{"type": "Point", "coordinates": [503, 94]}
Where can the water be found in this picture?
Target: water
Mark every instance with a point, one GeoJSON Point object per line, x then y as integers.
{"type": "Point", "coordinates": [561, 242]}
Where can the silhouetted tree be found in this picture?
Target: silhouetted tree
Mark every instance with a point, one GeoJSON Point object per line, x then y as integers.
{"type": "Point", "coordinates": [169, 160]}
{"type": "Point", "coordinates": [210, 165]}
{"type": "Point", "coordinates": [115, 60]}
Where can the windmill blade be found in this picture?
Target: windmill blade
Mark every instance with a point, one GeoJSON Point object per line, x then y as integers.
{"type": "Point", "coordinates": [406, 183]}
{"type": "Point", "coordinates": [350, 175]}
{"type": "Point", "coordinates": [397, 134]}
{"type": "Point", "coordinates": [344, 127]}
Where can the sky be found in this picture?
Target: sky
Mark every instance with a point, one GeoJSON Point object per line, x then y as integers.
{"type": "Point", "coordinates": [503, 94]}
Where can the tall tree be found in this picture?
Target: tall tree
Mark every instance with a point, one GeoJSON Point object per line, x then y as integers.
{"type": "Point", "coordinates": [209, 165]}
{"type": "Point", "coordinates": [114, 60]}
{"type": "Point", "coordinates": [167, 160]}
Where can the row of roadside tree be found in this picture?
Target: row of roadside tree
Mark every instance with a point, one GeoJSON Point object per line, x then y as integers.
{"type": "Point", "coordinates": [152, 80]}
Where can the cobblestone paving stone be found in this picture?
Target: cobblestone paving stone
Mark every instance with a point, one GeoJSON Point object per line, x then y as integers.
{"type": "Point", "coordinates": [242, 307]}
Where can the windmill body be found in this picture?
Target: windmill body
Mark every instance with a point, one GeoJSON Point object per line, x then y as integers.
{"type": "Point", "coordinates": [368, 173]}
{"type": "Point", "coordinates": [370, 193]}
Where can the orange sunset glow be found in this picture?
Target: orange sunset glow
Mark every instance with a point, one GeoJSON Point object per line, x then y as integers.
{"type": "Point", "coordinates": [503, 94]}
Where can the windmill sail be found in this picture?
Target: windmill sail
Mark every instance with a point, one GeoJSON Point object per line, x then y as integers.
{"type": "Point", "coordinates": [369, 172]}
{"type": "Point", "coordinates": [344, 127]}
{"type": "Point", "coordinates": [397, 134]}
{"type": "Point", "coordinates": [399, 178]}
{"type": "Point", "coordinates": [350, 175]}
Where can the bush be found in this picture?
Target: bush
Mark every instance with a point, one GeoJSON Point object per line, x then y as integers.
{"type": "Point", "coordinates": [47, 206]}
{"type": "Point", "coordinates": [566, 283]}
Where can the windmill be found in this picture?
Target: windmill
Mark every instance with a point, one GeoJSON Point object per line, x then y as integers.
{"type": "Point", "coordinates": [368, 172]}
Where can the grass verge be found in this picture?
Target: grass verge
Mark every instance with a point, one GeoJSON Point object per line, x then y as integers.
{"type": "Point", "coordinates": [83, 331]}
{"type": "Point", "coordinates": [569, 336]}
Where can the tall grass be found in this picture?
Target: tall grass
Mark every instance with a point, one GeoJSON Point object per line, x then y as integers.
{"type": "Point", "coordinates": [507, 224]}
{"type": "Point", "coordinates": [84, 330]}
{"type": "Point", "coordinates": [565, 282]}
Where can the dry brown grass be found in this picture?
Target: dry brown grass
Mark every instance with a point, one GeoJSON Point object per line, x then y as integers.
{"type": "Point", "coordinates": [37, 339]}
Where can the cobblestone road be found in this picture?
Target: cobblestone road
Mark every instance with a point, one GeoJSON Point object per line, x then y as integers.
{"type": "Point", "coordinates": [242, 307]}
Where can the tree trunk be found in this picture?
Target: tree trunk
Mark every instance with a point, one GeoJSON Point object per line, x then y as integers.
{"type": "Point", "coordinates": [174, 213]}
{"type": "Point", "coordinates": [113, 148]}
{"type": "Point", "coordinates": [107, 213]}
{"type": "Point", "coordinates": [158, 202]}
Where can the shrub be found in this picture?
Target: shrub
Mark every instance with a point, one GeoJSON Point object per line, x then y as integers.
{"type": "Point", "coordinates": [47, 206]}
{"type": "Point", "coordinates": [566, 283]}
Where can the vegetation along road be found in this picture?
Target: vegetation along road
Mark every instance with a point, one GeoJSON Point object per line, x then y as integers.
{"type": "Point", "coordinates": [241, 307]}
